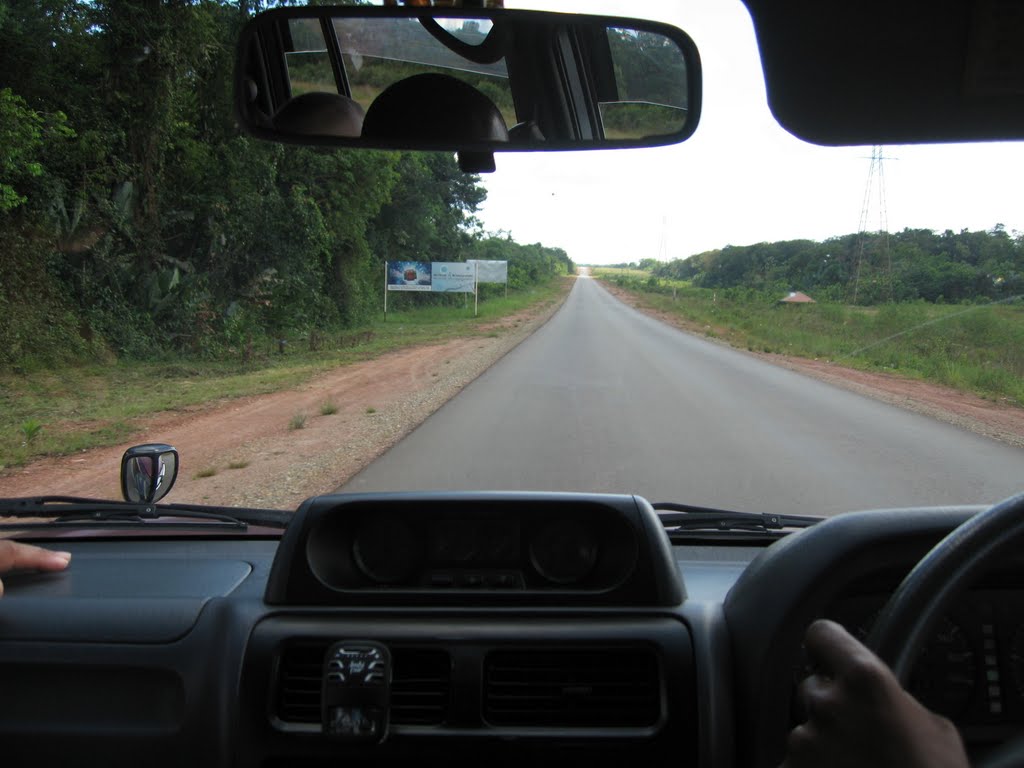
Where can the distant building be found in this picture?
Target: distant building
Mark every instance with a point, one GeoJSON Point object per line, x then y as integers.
{"type": "Point", "coordinates": [795, 297]}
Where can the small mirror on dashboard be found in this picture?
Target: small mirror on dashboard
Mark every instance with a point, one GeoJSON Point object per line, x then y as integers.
{"type": "Point", "coordinates": [148, 472]}
{"type": "Point", "coordinates": [465, 79]}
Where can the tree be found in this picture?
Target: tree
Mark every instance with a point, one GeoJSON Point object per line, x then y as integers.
{"type": "Point", "coordinates": [158, 227]}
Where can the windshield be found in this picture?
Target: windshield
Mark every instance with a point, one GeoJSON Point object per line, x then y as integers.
{"type": "Point", "coordinates": [742, 321]}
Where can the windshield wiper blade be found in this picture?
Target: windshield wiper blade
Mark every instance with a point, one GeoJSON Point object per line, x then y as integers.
{"type": "Point", "coordinates": [75, 511]}
{"type": "Point", "coordinates": [688, 517]}
{"type": "Point", "coordinates": [70, 511]}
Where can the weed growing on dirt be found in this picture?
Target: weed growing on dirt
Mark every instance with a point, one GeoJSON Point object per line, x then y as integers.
{"type": "Point", "coordinates": [371, 409]}
{"type": "Point", "coordinates": [298, 421]}
{"type": "Point", "coordinates": [328, 408]}
{"type": "Point", "coordinates": [238, 464]}
{"type": "Point", "coordinates": [30, 429]}
{"type": "Point", "coordinates": [208, 472]}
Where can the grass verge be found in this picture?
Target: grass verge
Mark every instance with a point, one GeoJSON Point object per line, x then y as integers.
{"type": "Point", "coordinates": [977, 348]}
{"type": "Point", "coordinates": [94, 405]}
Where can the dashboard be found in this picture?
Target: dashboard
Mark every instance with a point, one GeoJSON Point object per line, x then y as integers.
{"type": "Point", "coordinates": [501, 627]}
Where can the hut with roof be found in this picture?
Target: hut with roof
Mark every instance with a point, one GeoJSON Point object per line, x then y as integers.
{"type": "Point", "coordinates": [795, 297]}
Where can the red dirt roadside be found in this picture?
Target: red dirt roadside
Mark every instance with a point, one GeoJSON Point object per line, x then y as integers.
{"type": "Point", "coordinates": [258, 460]}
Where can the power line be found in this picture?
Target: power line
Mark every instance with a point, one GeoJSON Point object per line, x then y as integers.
{"type": "Point", "coordinates": [876, 180]}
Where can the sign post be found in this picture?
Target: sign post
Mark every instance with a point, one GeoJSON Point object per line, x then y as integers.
{"type": "Point", "coordinates": [405, 276]}
{"type": "Point", "coordinates": [451, 277]}
{"type": "Point", "coordinates": [436, 277]}
{"type": "Point", "coordinates": [488, 271]}
{"type": "Point", "coordinates": [476, 288]}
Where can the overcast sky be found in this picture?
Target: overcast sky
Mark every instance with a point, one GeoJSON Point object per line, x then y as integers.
{"type": "Point", "coordinates": [741, 178]}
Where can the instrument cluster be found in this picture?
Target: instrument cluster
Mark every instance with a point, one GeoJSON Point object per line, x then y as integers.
{"type": "Point", "coordinates": [972, 668]}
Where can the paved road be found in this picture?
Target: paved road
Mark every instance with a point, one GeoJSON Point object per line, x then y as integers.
{"type": "Point", "coordinates": [604, 398]}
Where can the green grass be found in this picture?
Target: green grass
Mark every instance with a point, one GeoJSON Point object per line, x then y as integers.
{"type": "Point", "coordinates": [238, 464]}
{"type": "Point", "coordinates": [371, 410]}
{"type": "Point", "coordinates": [619, 271]}
{"type": "Point", "coordinates": [328, 408]}
{"type": "Point", "coordinates": [298, 421]}
{"type": "Point", "coordinates": [975, 348]}
{"type": "Point", "coordinates": [92, 405]}
{"type": "Point", "coordinates": [208, 472]}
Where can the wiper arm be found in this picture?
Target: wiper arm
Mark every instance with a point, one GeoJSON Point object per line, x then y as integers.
{"type": "Point", "coordinates": [688, 517]}
{"type": "Point", "coordinates": [74, 511]}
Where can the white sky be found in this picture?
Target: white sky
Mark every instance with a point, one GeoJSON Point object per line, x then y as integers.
{"type": "Point", "coordinates": [741, 178]}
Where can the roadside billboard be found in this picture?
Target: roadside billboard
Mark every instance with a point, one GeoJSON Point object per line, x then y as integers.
{"type": "Point", "coordinates": [408, 276]}
{"type": "Point", "coordinates": [491, 271]}
{"type": "Point", "coordinates": [453, 277]}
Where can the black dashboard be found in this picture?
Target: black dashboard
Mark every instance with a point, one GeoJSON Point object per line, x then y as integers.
{"type": "Point", "coordinates": [515, 628]}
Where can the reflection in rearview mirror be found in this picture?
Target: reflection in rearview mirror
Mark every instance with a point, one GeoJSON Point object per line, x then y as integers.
{"type": "Point", "coordinates": [650, 86]}
{"type": "Point", "coordinates": [148, 472]}
{"type": "Point", "coordinates": [465, 80]}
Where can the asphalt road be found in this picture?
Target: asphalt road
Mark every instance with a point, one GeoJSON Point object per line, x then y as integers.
{"type": "Point", "coordinates": [606, 399]}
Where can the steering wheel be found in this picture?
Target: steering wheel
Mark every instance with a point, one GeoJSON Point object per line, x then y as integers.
{"type": "Point", "coordinates": [928, 592]}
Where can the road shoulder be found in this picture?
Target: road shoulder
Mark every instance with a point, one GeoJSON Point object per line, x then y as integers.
{"type": "Point", "coordinates": [247, 452]}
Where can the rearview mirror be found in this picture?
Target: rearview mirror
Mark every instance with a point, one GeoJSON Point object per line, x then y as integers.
{"type": "Point", "coordinates": [474, 81]}
{"type": "Point", "coordinates": [148, 472]}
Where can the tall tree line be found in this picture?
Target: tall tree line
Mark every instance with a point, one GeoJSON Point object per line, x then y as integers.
{"type": "Point", "coordinates": [912, 265]}
{"type": "Point", "coordinates": [136, 219]}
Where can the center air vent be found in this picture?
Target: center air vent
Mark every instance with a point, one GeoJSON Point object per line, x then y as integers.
{"type": "Point", "coordinates": [420, 687]}
{"type": "Point", "coordinates": [583, 688]}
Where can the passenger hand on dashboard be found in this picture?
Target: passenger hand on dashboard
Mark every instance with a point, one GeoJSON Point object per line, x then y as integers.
{"type": "Point", "coordinates": [859, 715]}
{"type": "Point", "coordinates": [14, 554]}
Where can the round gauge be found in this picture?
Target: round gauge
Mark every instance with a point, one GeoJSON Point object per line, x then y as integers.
{"type": "Point", "coordinates": [386, 550]}
{"type": "Point", "coordinates": [499, 542]}
{"type": "Point", "coordinates": [564, 551]}
{"type": "Point", "coordinates": [945, 674]}
{"type": "Point", "coordinates": [454, 542]}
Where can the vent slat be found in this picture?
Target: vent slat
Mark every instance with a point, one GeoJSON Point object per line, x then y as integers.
{"type": "Point", "coordinates": [574, 688]}
{"type": "Point", "coordinates": [420, 688]}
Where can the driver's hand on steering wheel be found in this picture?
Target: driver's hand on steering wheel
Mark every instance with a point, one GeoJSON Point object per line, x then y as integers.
{"type": "Point", "coordinates": [14, 556]}
{"type": "Point", "coordinates": [859, 715]}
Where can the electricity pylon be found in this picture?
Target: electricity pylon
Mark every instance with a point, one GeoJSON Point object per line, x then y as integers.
{"type": "Point", "coordinates": [876, 181]}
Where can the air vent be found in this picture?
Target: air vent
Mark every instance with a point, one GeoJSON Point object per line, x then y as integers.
{"type": "Point", "coordinates": [298, 682]}
{"type": "Point", "coordinates": [583, 688]}
{"type": "Point", "coordinates": [420, 687]}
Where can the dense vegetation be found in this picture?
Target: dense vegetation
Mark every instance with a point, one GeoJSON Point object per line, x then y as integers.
{"type": "Point", "coordinates": [137, 222]}
{"type": "Point", "coordinates": [874, 268]}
